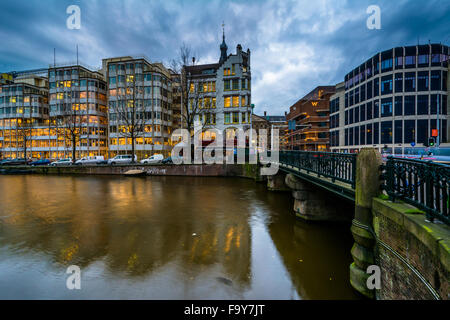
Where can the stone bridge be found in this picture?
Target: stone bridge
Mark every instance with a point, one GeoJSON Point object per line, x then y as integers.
{"type": "Point", "coordinates": [400, 220]}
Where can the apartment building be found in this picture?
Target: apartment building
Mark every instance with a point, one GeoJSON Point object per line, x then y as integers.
{"type": "Point", "coordinates": [139, 100]}
{"type": "Point", "coordinates": [395, 101]}
{"type": "Point", "coordinates": [24, 117]}
{"type": "Point", "coordinates": [78, 112]}
{"type": "Point", "coordinates": [222, 91]}
{"type": "Point", "coordinates": [308, 121]}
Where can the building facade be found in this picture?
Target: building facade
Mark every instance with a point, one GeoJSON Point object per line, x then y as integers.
{"type": "Point", "coordinates": [222, 91]}
{"type": "Point", "coordinates": [78, 112]}
{"type": "Point", "coordinates": [395, 101]}
{"type": "Point", "coordinates": [308, 121]}
{"type": "Point", "coordinates": [24, 117]}
{"type": "Point", "coordinates": [139, 99]}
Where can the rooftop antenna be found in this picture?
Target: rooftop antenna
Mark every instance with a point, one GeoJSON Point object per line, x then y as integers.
{"type": "Point", "coordinates": [77, 54]}
{"type": "Point", "coordinates": [54, 57]}
{"type": "Point", "coordinates": [193, 61]}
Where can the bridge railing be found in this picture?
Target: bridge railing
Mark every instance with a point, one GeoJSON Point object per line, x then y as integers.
{"type": "Point", "coordinates": [337, 166]}
{"type": "Point", "coordinates": [423, 184]}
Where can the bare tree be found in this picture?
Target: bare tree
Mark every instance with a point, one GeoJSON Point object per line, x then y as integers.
{"type": "Point", "coordinates": [130, 113]}
{"type": "Point", "coordinates": [24, 128]}
{"type": "Point", "coordinates": [189, 90]}
{"type": "Point", "coordinates": [70, 126]}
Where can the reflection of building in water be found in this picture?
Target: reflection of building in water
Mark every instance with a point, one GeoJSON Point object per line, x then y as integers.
{"type": "Point", "coordinates": [134, 226]}
{"type": "Point", "coordinates": [316, 256]}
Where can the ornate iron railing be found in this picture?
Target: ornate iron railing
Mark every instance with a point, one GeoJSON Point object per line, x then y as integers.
{"type": "Point", "coordinates": [423, 184]}
{"type": "Point", "coordinates": [337, 166]}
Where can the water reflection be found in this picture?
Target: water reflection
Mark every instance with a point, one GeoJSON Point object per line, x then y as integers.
{"type": "Point", "coordinates": [156, 237]}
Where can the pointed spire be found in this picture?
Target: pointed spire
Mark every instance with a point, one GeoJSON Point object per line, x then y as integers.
{"type": "Point", "coordinates": [223, 46]}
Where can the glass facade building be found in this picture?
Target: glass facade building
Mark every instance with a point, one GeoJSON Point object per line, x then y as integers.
{"type": "Point", "coordinates": [393, 101]}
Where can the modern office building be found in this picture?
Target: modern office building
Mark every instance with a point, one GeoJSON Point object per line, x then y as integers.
{"type": "Point", "coordinates": [78, 112]}
{"type": "Point", "coordinates": [24, 117]}
{"type": "Point", "coordinates": [223, 91]}
{"type": "Point", "coordinates": [143, 89]}
{"type": "Point", "coordinates": [395, 101]}
{"type": "Point", "coordinates": [308, 121]}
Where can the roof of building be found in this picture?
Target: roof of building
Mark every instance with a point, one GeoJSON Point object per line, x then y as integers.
{"type": "Point", "coordinates": [275, 118]}
{"type": "Point", "coordinates": [201, 68]}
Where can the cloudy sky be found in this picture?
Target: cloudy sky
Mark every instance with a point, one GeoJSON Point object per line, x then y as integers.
{"type": "Point", "coordinates": [295, 45]}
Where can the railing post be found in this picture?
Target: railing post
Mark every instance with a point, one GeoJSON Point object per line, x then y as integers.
{"type": "Point", "coordinates": [367, 186]}
{"type": "Point", "coordinates": [429, 176]}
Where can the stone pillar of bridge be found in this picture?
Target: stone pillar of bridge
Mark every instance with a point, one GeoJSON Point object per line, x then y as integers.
{"type": "Point", "coordinates": [276, 182]}
{"type": "Point", "coordinates": [367, 187]}
{"type": "Point", "coordinates": [312, 203]}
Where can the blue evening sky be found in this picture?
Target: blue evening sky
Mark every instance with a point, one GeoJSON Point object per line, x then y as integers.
{"type": "Point", "coordinates": [295, 45]}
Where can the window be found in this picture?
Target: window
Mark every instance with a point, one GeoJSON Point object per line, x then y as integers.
{"type": "Point", "coordinates": [244, 117]}
{"type": "Point", "coordinates": [226, 85]}
{"type": "Point", "coordinates": [399, 82]}
{"type": "Point", "coordinates": [422, 131]}
{"type": "Point", "coordinates": [243, 102]}
{"type": "Point", "coordinates": [376, 84]}
{"type": "Point", "coordinates": [227, 117]}
{"type": "Point", "coordinates": [410, 61]}
{"type": "Point", "coordinates": [233, 69]}
{"type": "Point", "coordinates": [369, 90]}
{"type": "Point", "coordinates": [386, 107]}
{"type": "Point", "coordinates": [398, 62]}
{"type": "Point", "coordinates": [376, 109]}
{"type": "Point", "coordinates": [410, 105]}
{"type": "Point", "coordinates": [410, 81]}
{"type": "Point", "coordinates": [235, 101]}
{"type": "Point", "coordinates": [226, 71]}
{"type": "Point", "coordinates": [398, 106]}
{"type": "Point", "coordinates": [356, 114]}
{"type": "Point", "coordinates": [422, 81]}
{"type": "Point", "coordinates": [227, 102]}
{"type": "Point", "coordinates": [369, 110]}
{"type": "Point", "coordinates": [386, 132]}
{"type": "Point", "coordinates": [362, 135]}
{"type": "Point", "coordinates": [422, 60]}
{"type": "Point", "coordinates": [386, 65]}
{"type": "Point", "coordinates": [235, 117]}
{"type": "Point", "coordinates": [398, 129]}
{"type": "Point", "coordinates": [362, 116]}
{"type": "Point", "coordinates": [376, 132]}
{"type": "Point", "coordinates": [436, 80]}
{"type": "Point", "coordinates": [422, 104]}
{"type": "Point", "coordinates": [235, 84]}
{"type": "Point", "coordinates": [369, 134]}
{"type": "Point", "coordinates": [386, 84]}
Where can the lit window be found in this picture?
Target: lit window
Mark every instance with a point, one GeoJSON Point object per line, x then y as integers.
{"type": "Point", "coordinates": [227, 102]}
{"type": "Point", "coordinates": [235, 101]}
{"type": "Point", "coordinates": [243, 102]}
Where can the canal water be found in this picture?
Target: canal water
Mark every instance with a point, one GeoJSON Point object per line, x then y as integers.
{"type": "Point", "coordinates": [164, 238]}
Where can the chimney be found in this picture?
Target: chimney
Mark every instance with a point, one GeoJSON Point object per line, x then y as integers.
{"type": "Point", "coordinates": [285, 113]}
{"type": "Point", "coordinates": [265, 113]}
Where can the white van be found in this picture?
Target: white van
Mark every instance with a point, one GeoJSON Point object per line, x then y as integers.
{"type": "Point", "coordinates": [90, 160]}
{"type": "Point", "coordinates": [122, 158]}
{"type": "Point", "coordinates": [156, 158]}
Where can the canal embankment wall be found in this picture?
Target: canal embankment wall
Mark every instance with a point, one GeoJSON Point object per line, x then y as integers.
{"type": "Point", "coordinates": [412, 253]}
{"type": "Point", "coordinates": [201, 170]}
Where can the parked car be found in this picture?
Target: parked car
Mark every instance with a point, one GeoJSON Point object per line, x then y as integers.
{"type": "Point", "coordinates": [90, 160]}
{"type": "Point", "coordinates": [41, 162]}
{"type": "Point", "coordinates": [122, 159]}
{"type": "Point", "coordinates": [3, 161]}
{"type": "Point", "coordinates": [15, 162]}
{"type": "Point", "coordinates": [62, 162]}
{"type": "Point", "coordinates": [156, 158]}
{"type": "Point", "coordinates": [167, 160]}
